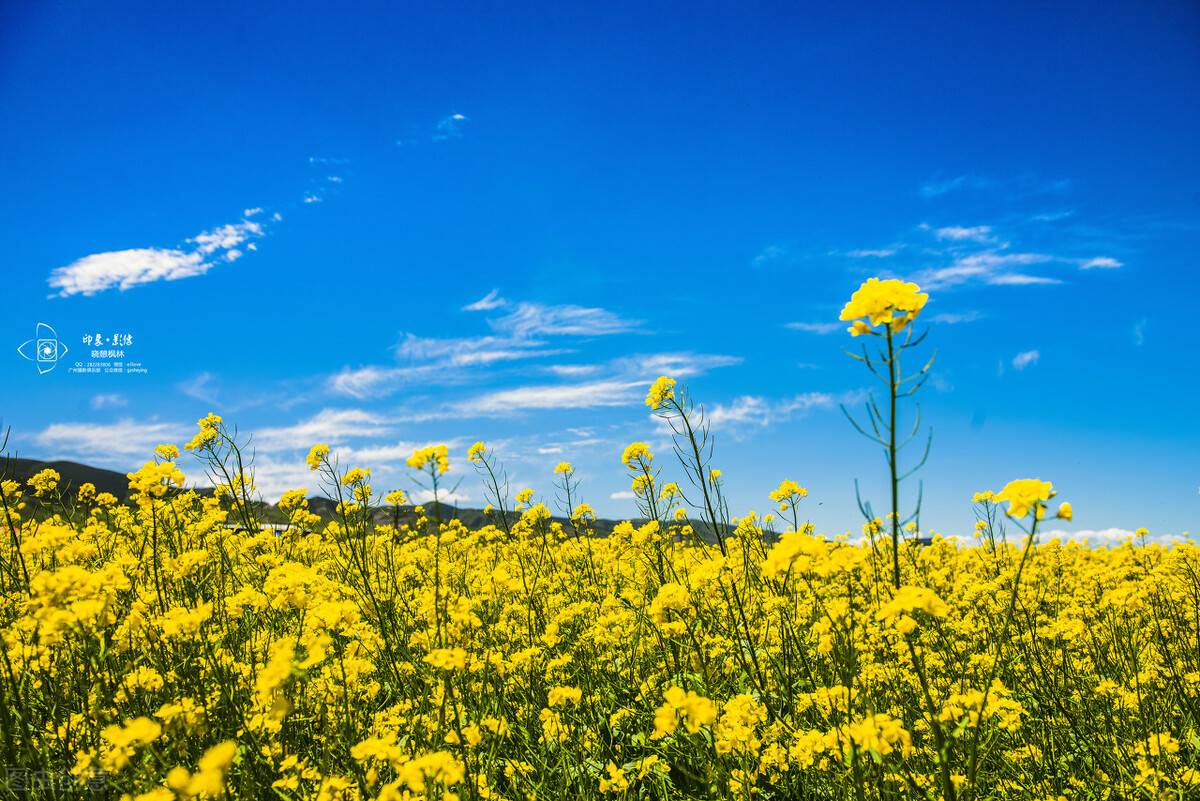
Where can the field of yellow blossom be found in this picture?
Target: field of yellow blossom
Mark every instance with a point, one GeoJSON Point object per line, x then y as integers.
{"type": "Point", "coordinates": [166, 648]}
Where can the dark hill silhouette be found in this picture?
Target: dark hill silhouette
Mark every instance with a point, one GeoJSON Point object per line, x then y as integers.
{"type": "Point", "coordinates": [74, 474]}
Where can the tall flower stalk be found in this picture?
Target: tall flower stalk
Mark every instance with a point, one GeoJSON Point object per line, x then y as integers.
{"type": "Point", "coordinates": [886, 309]}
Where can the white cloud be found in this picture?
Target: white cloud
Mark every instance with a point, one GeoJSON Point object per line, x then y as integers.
{"type": "Point", "coordinates": [877, 253]}
{"type": "Point", "coordinates": [530, 320]}
{"type": "Point", "coordinates": [958, 233]}
{"type": "Point", "coordinates": [588, 395]}
{"type": "Point", "coordinates": [623, 495]}
{"type": "Point", "coordinates": [1139, 332]}
{"type": "Point", "coordinates": [226, 236]}
{"type": "Point", "coordinates": [107, 401]}
{"type": "Point", "coordinates": [491, 300]}
{"type": "Point", "coordinates": [332, 426]}
{"type": "Point", "coordinates": [954, 318]}
{"type": "Point", "coordinates": [1100, 262]}
{"type": "Point", "coordinates": [988, 266]}
{"type": "Point", "coordinates": [448, 360]}
{"type": "Point", "coordinates": [200, 386]}
{"type": "Point", "coordinates": [1025, 359]}
{"type": "Point", "coordinates": [468, 350]}
{"type": "Point", "coordinates": [455, 498]}
{"type": "Point", "coordinates": [817, 328]}
{"type": "Point", "coordinates": [374, 381]}
{"type": "Point", "coordinates": [124, 441]}
{"type": "Point", "coordinates": [624, 383]}
{"type": "Point", "coordinates": [1021, 279]}
{"type": "Point", "coordinates": [751, 410]}
{"type": "Point", "coordinates": [388, 453]}
{"type": "Point", "coordinates": [1096, 538]}
{"type": "Point", "coordinates": [572, 369]}
{"type": "Point", "coordinates": [125, 269]}
{"type": "Point", "coordinates": [676, 365]}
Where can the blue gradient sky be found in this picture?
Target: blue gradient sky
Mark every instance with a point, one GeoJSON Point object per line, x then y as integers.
{"type": "Point", "coordinates": [693, 189]}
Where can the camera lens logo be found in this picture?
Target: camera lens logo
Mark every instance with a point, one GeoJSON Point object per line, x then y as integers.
{"type": "Point", "coordinates": [44, 349]}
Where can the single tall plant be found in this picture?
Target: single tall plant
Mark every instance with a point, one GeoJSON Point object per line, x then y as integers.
{"type": "Point", "coordinates": [886, 310]}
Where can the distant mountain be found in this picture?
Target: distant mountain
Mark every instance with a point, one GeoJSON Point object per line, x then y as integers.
{"type": "Point", "coordinates": [73, 474]}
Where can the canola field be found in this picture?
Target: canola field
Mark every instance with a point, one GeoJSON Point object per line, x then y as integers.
{"type": "Point", "coordinates": [165, 648]}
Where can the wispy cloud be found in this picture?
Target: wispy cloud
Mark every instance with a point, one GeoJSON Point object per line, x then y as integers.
{"type": "Point", "coordinates": [817, 328]}
{"type": "Point", "coordinates": [378, 381]}
{"type": "Point", "coordinates": [958, 233]}
{"type": "Point", "coordinates": [488, 302]}
{"type": "Point", "coordinates": [1095, 537]}
{"type": "Point", "coordinates": [585, 395]}
{"type": "Point", "coordinates": [122, 442]}
{"type": "Point", "coordinates": [875, 253]}
{"type": "Point", "coordinates": [519, 334]}
{"type": "Point", "coordinates": [466, 351]}
{"type": "Point", "coordinates": [529, 320]}
{"type": "Point", "coordinates": [125, 269]}
{"type": "Point", "coordinates": [331, 426]}
{"type": "Point", "coordinates": [621, 382]}
{"type": "Point", "coordinates": [201, 386]}
{"type": "Point", "coordinates": [108, 401]}
{"type": "Point", "coordinates": [1139, 332]}
{"type": "Point", "coordinates": [989, 266]}
{"type": "Point", "coordinates": [1025, 359]}
{"type": "Point", "coordinates": [1100, 262]}
{"type": "Point", "coordinates": [753, 410]}
{"type": "Point", "coordinates": [954, 318]}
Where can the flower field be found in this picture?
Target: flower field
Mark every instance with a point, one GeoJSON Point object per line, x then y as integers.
{"type": "Point", "coordinates": [166, 648]}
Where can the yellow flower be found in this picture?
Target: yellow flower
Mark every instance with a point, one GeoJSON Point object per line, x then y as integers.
{"type": "Point", "coordinates": [44, 482]}
{"type": "Point", "coordinates": [693, 710]}
{"type": "Point", "coordinates": [121, 741]}
{"type": "Point", "coordinates": [167, 453]}
{"type": "Point", "coordinates": [1064, 511]}
{"type": "Point", "coordinates": [638, 452]}
{"type": "Point", "coordinates": [475, 452]}
{"type": "Point", "coordinates": [210, 431]}
{"type": "Point", "coordinates": [317, 456]}
{"type": "Point", "coordinates": [562, 696]}
{"type": "Point", "coordinates": [889, 302]}
{"type": "Point", "coordinates": [789, 492]}
{"type": "Point", "coordinates": [447, 659]}
{"type": "Point", "coordinates": [564, 468]}
{"type": "Point", "coordinates": [1024, 494]}
{"type": "Point", "coordinates": [355, 475]}
{"type": "Point", "coordinates": [396, 498]}
{"type": "Point", "coordinates": [662, 391]}
{"type": "Point", "coordinates": [435, 456]}
{"type": "Point", "coordinates": [615, 781]}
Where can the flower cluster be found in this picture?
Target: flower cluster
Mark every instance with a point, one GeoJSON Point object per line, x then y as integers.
{"type": "Point", "coordinates": [889, 302]}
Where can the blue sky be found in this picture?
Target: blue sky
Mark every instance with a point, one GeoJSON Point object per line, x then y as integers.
{"type": "Point", "coordinates": [382, 226]}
